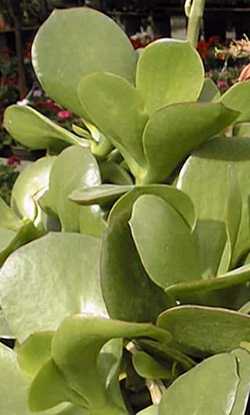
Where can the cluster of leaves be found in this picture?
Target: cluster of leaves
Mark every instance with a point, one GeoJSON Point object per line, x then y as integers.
{"type": "Point", "coordinates": [136, 274]}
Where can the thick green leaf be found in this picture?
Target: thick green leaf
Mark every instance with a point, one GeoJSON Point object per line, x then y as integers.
{"type": "Point", "coordinates": [166, 353]}
{"type": "Point", "coordinates": [49, 389]}
{"type": "Point", "coordinates": [31, 183]}
{"type": "Point", "coordinates": [74, 167]}
{"type": "Point", "coordinates": [128, 292]}
{"type": "Point", "coordinates": [5, 332]}
{"type": "Point", "coordinates": [61, 272]}
{"type": "Point", "coordinates": [203, 331]}
{"type": "Point", "coordinates": [209, 388]}
{"type": "Point", "coordinates": [210, 92]}
{"type": "Point", "coordinates": [160, 240]}
{"type": "Point", "coordinates": [210, 165]}
{"type": "Point", "coordinates": [228, 285]}
{"type": "Point", "coordinates": [14, 232]}
{"type": "Point", "coordinates": [126, 118]}
{"type": "Point", "coordinates": [82, 335]}
{"type": "Point", "coordinates": [169, 71]}
{"type": "Point", "coordinates": [237, 98]}
{"type": "Point", "coordinates": [177, 199]}
{"type": "Point", "coordinates": [34, 130]}
{"type": "Point", "coordinates": [174, 131]}
{"type": "Point", "coordinates": [94, 43]}
{"type": "Point", "coordinates": [243, 360]}
{"type": "Point", "coordinates": [34, 352]}
{"type": "Point", "coordinates": [147, 367]}
{"type": "Point", "coordinates": [10, 241]}
{"type": "Point", "coordinates": [101, 195]}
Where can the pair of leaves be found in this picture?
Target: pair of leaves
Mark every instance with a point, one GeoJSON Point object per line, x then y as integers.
{"type": "Point", "coordinates": [130, 293]}
{"type": "Point", "coordinates": [92, 381]}
{"type": "Point", "coordinates": [151, 147]}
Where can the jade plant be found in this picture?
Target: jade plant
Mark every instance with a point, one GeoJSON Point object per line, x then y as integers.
{"type": "Point", "coordinates": [125, 253]}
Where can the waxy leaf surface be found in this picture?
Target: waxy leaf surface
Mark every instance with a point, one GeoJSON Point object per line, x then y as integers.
{"type": "Point", "coordinates": [209, 388]}
{"type": "Point", "coordinates": [169, 71]}
{"type": "Point", "coordinates": [124, 121]}
{"type": "Point", "coordinates": [61, 272]}
{"type": "Point", "coordinates": [174, 131]}
{"type": "Point", "coordinates": [88, 47]}
{"type": "Point", "coordinates": [29, 186]}
{"type": "Point", "coordinates": [35, 131]}
{"type": "Point", "coordinates": [165, 243]}
{"type": "Point", "coordinates": [204, 331]}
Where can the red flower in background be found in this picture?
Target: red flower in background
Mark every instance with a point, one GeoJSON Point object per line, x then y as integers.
{"type": "Point", "coordinates": [203, 48]}
{"type": "Point", "coordinates": [49, 105]}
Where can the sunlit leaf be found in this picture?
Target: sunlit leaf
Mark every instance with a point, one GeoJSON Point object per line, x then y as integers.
{"type": "Point", "coordinates": [174, 131]}
{"type": "Point", "coordinates": [169, 71]}
{"type": "Point", "coordinates": [61, 272]}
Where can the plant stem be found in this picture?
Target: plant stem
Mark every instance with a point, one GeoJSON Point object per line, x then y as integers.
{"type": "Point", "coordinates": [194, 13]}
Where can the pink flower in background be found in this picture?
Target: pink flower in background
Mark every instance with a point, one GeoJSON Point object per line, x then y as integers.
{"type": "Point", "coordinates": [64, 115]}
{"type": "Point", "coordinates": [13, 161]}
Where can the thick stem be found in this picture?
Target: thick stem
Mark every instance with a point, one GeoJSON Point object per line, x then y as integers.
{"type": "Point", "coordinates": [195, 13]}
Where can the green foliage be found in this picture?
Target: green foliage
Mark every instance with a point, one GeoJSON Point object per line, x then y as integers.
{"type": "Point", "coordinates": [125, 275]}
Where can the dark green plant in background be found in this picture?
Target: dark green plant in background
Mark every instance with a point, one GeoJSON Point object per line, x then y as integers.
{"type": "Point", "coordinates": [135, 280]}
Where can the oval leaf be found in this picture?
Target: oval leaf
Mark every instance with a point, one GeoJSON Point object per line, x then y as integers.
{"type": "Point", "coordinates": [209, 388]}
{"type": "Point", "coordinates": [34, 130]}
{"type": "Point", "coordinates": [174, 131]}
{"type": "Point", "coordinates": [60, 65]}
{"type": "Point", "coordinates": [160, 240]}
{"type": "Point", "coordinates": [203, 331]}
{"type": "Point", "coordinates": [169, 71]}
